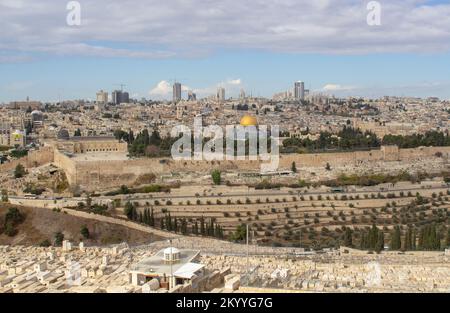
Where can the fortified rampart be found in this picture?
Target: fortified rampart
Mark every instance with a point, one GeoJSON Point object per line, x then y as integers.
{"type": "Point", "coordinates": [33, 159]}
{"type": "Point", "coordinates": [90, 173]}
{"type": "Point", "coordinates": [113, 173]}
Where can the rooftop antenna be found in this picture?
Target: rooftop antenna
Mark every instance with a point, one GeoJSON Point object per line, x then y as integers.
{"type": "Point", "coordinates": [121, 86]}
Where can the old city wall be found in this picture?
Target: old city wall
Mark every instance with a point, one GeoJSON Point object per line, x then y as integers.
{"type": "Point", "coordinates": [334, 159]}
{"type": "Point", "coordinates": [114, 173]}
{"type": "Point", "coordinates": [40, 157]}
{"type": "Point", "coordinates": [424, 152]}
{"type": "Point", "coordinates": [64, 162]}
{"type": "Point", "coordinates": [33, 159]}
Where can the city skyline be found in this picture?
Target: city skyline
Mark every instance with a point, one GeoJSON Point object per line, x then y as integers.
{"type": "Point", "coordinates": [329, 46]}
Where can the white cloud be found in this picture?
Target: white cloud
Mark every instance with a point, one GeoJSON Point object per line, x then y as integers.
{"type": "Point", "coordinates": [336, 87]}
{"type": "Point", "coordinates": [82, 49]}
{"type": "Point", "coordinates": [234, 82]}
{"type": "Point", "coordinates": [164, 90]}
{"type": "Point", "coordinates": [162, 29]}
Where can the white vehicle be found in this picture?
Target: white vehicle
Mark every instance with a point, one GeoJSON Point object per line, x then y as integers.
{"type": "Point", "coordinates": [30, 196]}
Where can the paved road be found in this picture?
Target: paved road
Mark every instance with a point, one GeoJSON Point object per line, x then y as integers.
{"type": "Point", "coordinates": [280, 193]}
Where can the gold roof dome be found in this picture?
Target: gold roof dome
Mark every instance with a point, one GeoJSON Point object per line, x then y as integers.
{"type": "Point", "coordinates": [248, 120]}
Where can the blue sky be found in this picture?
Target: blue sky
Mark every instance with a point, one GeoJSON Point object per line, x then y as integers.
{"type": "Point", "coordinates": [260, 46]}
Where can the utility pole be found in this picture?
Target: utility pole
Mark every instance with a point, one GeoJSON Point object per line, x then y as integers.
{"type": "Point", "coordinates": [247, 251]}
{"type": "Point", "coordinates": [300, 237]}
{"type": "Point", "coordinates": [170, 260]}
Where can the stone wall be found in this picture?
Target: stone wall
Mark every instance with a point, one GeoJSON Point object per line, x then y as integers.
{"type": "Point", "coordinates": [33, 159]}
{"type": "Point", "coordinates": [114, 173]}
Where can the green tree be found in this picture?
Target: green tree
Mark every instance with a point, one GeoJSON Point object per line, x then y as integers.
{"type": "Point", "coordinates": [77, 133]}
{"type": "Point", "coordinates": [84, 232]}
{"type": "Point", "coordinates": [195, 228]}
{"type": "Point", "coordinates": [12, 218]}
{"type": "Point", "coordinates": [379, 246]}
{"type": "Point", "coordinates": [348, 242]}
{"type": "Point", "coordinates": [58, 239]}
{"type": "Point", "coordinates": [240, 233]}
{"type": "Point", "coordinates": [363, 245]}
{"type": "Point", "coordinates": [372, 237]}
{"type": "Point", "coordinates": [152, 219]}
{"type": "Point", "coordinates": [429, 238]}
{"type": "Point", "coordinates": [216, 177]}
{"type": "Point", "coordinates": [19, 172]}
{"type": "Point", "coordinates": [4, 195]}
{"type": "Point", "coordinates": [447, 238]}
{"type": "Point", "coordinates": [294, 167]}
{"type": "Point", "coordinates": [408, 245]}
{"type": "Point", "coordinates": [146, 217]}
{"type": "Point", "coordinates": [396, 239]}
{"type": "Point", "coordinates": [10, 230]}
{"type": "Point", "coordinates": [202, 226]}
{"type": "Point", "coordinates": [130, 211]}
{"type": "Point", "coordinates": [124, 190]}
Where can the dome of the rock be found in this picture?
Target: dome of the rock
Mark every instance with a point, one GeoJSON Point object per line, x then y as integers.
{"type": "Point", "coordinates": [248, 120]}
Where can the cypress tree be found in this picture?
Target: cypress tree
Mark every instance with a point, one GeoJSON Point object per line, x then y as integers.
{"type": "Point", "coordinates": [195, 228]}
{"type": "Point", "coordinates": [380, 242]}
{"type": "Point", "coordinates": [396, 243]}
{"type": "Point", "coordinates": [348, 242]}
{"type": "Point", "coordinates": [408, 239]}
{"type": "Point", "coordinates": [168, 222]}
{"type": "Point", "coordinates": [421, 237]}
{"type": "Point", "coordinates": [447, 239]}
{"type": "Point", "coordinates": [202, 226]}
{"type": "Point", "coordinates": [184, 226]}
{"type": "Point", "coordinates": [152, 218]}
{"type": "Point", "coordinates": [373, 237]}
{"type": "Point", "coordinates": [175, 225]}
{"type": "Point", "coordinates": [363, 243]}
{"type": "Point", "coordinates": [211, 232]}
{"type": "Point", "coordinates": [145, 219]}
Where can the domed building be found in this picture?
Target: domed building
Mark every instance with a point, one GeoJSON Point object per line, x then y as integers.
{"type": "Point", "coordinates": [248, 120]}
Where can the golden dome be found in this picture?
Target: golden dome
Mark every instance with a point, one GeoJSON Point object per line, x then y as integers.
{"type": "Point", "coordinates": [248, 120]}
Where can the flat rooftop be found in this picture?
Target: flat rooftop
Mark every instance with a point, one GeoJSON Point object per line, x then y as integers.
{"type": "Point", "coordinates": [156, 264]}
{"type": "Point", "coordinates": [91, 138]}
{"type": "Point", "coordinates": [99, 156]}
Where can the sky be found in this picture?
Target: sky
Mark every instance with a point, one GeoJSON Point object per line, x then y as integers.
{"type": "Point", "coordinates": [261, 46]}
